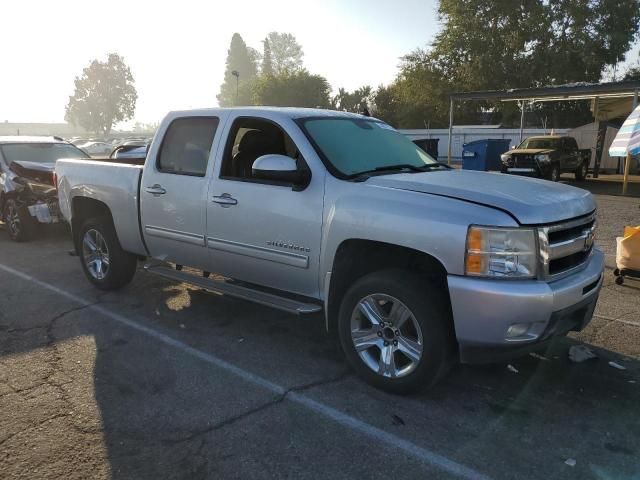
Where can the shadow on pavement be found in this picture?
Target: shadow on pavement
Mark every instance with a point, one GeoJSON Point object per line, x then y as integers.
{"type": "Point", "coordinates": [164, 414]}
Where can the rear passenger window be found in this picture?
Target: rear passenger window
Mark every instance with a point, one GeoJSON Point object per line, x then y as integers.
{"type": "Point", "coordinates": [186, 146]}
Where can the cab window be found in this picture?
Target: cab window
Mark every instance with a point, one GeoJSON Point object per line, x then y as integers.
{"type": "Point", "coordinates": [186, 146]}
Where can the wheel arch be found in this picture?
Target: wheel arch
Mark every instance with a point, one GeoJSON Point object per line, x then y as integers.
{"type": "Point", "coordinates": [83, 208]}
{"type": "Point", "coordinates": [356, 258]}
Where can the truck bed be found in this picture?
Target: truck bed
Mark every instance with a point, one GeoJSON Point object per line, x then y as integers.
{"type": "Point", "coordinates": [116, 184]}
{"type": "Point", "coordinates": [123, 161]}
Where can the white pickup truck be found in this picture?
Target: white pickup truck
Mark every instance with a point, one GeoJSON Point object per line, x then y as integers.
{"type": "Point", "coordinates": [415, 265]}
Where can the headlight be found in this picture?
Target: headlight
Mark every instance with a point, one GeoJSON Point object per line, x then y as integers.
{"type": "Point", "coordinates": [505, 158]}
{"type": "Point", "coordinates": [501, 252]}
{"type": "Point", "coordinates": [543, 158]}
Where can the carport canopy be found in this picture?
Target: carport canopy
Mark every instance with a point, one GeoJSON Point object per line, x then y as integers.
{"type": "Point", "coordinates": [608, 100]}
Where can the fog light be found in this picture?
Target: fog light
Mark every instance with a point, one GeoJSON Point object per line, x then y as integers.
{"type": "Point", "coordinates": [518, 330]}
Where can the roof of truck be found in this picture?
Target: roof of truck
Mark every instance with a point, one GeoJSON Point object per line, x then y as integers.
{"type": "Point", "coordinates": [289, 112]}
{"type": "Point", "coordinates": [552, 137]}
{"type": "Point", "coordinates": [30, 139]}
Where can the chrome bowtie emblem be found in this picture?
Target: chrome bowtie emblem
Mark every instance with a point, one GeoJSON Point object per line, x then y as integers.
{"type": "Point", "coordinates": [588, 242]}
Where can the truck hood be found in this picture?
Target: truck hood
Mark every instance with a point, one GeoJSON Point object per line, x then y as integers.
{"type": "Point", "coordinates": [531, 201]}
{"type": "Point", "coordinates": [530, 151]}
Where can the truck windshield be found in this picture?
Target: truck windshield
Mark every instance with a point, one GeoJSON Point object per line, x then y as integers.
{"type": "Point", "coordinates": [550, 143]}
{"type": "Point", "coordinates": [354, 146]}
{"type": "Point", "coordinates": [39, 152]}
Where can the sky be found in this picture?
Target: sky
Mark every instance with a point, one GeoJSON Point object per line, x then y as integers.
{"type": "Point", "coordinates": [177, 49]}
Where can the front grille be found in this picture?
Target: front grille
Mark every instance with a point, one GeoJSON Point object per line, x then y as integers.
{"type": "Point", "coordinates": [565, 247]}
{"type": "Point", "coordinates": [54, 207]}
{"type": "Point", "coordinates": [524, 161]}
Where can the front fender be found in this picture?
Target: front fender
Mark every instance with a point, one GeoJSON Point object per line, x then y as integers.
{"type": "Point", "coordinates": [427, 223]}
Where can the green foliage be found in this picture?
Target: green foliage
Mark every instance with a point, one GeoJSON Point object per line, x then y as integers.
{"type": "Point", "coordinates": [499, 44]}
{"type": "Point", "coordinates": [244, 61]}
{"type": "Point", "coordinates": [633, 73]}
{"type": "Point", "coordinates": [104, 95]}
{"type": "Point", "coordinates": [286, 53]}
{"type": "Point", "coordinates": [355, 101]}
{"type": "Point", "coordinates": [267, 59]}
{"type": "Point", "coordinates": [292, 89]}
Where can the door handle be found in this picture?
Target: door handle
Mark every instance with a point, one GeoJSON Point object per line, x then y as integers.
{"type": "Point", "coordinates": [225, 200]}
{"type": "Point", "coordinates": [155, 190]}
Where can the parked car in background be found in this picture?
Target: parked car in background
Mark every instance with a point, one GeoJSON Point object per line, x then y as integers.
{"type": "Point", "coordinates": [416, 265]}
{"type": "Point", "coordinates": [96, 149]}
{"type": "Point", "coordinates": [132, 152]}
{"type": "Point", "coordinates": [28, 194]}
{"type": "Point", "coordinates": [547, 157]}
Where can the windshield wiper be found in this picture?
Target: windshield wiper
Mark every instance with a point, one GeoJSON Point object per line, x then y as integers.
{"type": "Point", "coordinates": [361, 176]}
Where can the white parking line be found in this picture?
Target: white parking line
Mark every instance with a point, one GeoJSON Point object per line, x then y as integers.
{"type": "Point", "coordinates": [411, 449]}
{"type": "Point", "coordinates": [611, 319]}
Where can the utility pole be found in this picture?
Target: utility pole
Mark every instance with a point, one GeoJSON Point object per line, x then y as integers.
{"type": "Point", "coordinates": [236, 74]}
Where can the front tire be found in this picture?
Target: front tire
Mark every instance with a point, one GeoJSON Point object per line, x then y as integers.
{"type": "Point", "coordinates": [581, 171]}
{"type": "Point", "coordinates": [103, 261]}
{"type": "Point", "coordinates": [20, 224]}
{"type": "Point", "coordinates": [554, 173]}
{"type": "Point", "coordinates": [395, 331]}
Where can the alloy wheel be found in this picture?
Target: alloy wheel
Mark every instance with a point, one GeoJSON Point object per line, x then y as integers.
{"type": "Point", "coordinates": [386, 335]}
{"type": "Point", "coordinates": [13, 220]}
{"type": "Point", "coordinates": [95, 254]}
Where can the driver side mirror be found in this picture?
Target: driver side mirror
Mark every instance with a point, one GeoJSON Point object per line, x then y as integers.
{"type": "Point", "coordinates": [280, 168]}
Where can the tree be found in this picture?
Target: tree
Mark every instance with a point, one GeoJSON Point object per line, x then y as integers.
{"type": "Point", "coordinates": [286, 53]}
{"type": "Point", "coordinates": [267, 59]}
{"type": "Point", "coordinates": [355, 101]}
{"type": "Point", "coordinates": [243, 61]}
{"type": "Point", "coordinates": [292, 89]}
{"type": "Point", "coordinates": [499, 44]}
{"type": "Point", "coordinates": [633, 73]}
{"type": "Point", "coordinates": [104, 95]}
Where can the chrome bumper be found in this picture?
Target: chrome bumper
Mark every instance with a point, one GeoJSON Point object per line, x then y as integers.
{"type": "Point", "coordinates": [484, 310]}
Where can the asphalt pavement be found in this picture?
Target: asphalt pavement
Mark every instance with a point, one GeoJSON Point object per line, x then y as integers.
{"type": "Point", "coordinates": [161, 380]}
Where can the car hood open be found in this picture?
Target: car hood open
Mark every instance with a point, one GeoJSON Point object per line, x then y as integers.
{"type": "Point", "coordinates": [531, 201]}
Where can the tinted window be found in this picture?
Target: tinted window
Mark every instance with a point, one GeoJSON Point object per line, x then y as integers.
{"type": "Point", "coordinates": [570, 143]}
{"type": "Point", "coordinates": [40, 152]}
{"type": "Point", "coordinates": [540, 143]}
{"type": "Point", "coordinates": [354, 145]}
{"type": "Point", "coordinates": [186, 146]}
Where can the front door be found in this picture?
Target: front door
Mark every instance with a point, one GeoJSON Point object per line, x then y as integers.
{"type": "Point", "coordinates": [260, 232]}
{"type": "Point", "coordinates": [173, 193]}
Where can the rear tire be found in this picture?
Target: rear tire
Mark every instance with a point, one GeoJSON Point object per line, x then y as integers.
{"type": "Point", "coordinates": [410, 346]}
{"type": "Point", "coordinates": [581, 171]}
{"type": "Point", "coordinates": [103, 261]}
{"type": "Point", "coordinates": [20, 224]}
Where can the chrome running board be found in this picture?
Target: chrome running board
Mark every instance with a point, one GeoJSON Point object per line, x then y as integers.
{"type": "Point", "coordinates": [237, 291]}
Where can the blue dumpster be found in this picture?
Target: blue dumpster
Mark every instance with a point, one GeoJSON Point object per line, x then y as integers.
{"type": "Point", "coordinates": [484, 155]}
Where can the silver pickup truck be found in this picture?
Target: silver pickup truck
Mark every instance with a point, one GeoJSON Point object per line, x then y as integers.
{"type": "Point", "coordinates": [415, 265]}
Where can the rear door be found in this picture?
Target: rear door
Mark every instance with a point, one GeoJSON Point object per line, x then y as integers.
{"type": "Point", "coordinates": [570, 153]}
{"type": "Point", "coordinates": [173, 193]}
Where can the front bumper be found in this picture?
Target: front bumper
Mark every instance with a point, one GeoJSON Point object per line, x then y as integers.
{"type": "Point", "coordinates": [538, 171]}
{"type": "Point", "coordinates": [484, 309]}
